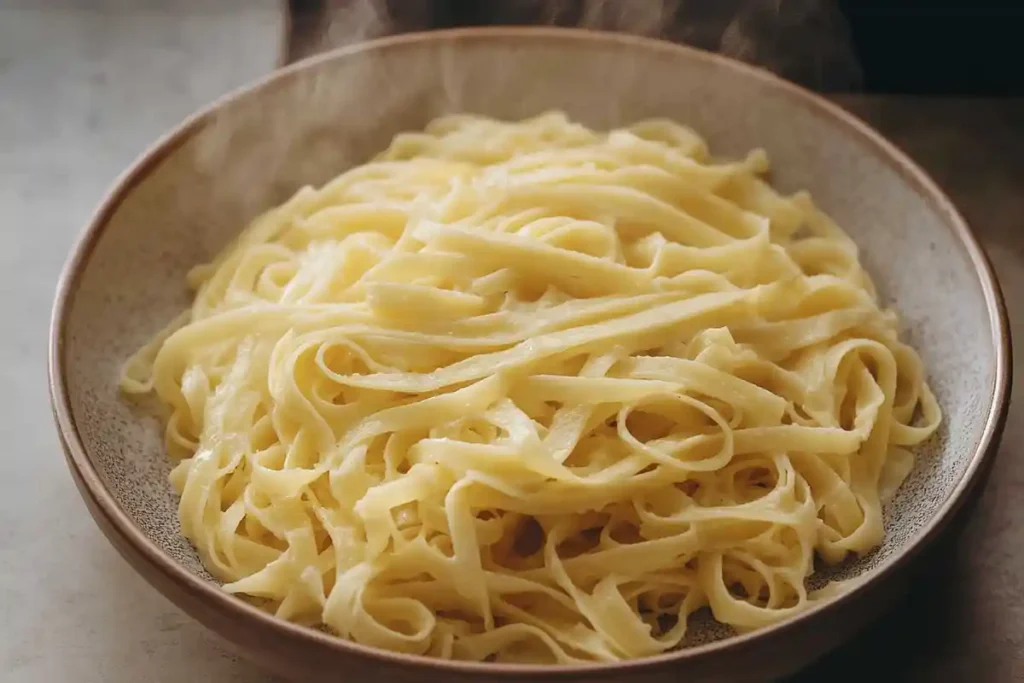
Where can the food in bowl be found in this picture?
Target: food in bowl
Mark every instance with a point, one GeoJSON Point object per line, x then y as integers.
{"type": "Point", "coordinates": [524, 391]}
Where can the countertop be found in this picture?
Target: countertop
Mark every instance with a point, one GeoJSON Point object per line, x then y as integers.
{"type": "Point", "coordinates": [85, 86]}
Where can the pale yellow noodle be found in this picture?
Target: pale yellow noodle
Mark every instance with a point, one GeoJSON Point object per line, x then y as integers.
{"type": "Point", "coordinates": [530, 392]}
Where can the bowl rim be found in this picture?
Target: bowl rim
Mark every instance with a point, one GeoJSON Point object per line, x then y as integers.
{"type": "Point", "coordinates": [93, 489]}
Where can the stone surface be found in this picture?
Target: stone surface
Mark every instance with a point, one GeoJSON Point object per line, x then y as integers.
{"type": "Point", "coordinates": [85, 86]}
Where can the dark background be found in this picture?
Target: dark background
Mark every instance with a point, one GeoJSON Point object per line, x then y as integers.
{"type": "Point", "coordinates": [947, 48]}
{"type": "Point", "coordinates": [954, 47]}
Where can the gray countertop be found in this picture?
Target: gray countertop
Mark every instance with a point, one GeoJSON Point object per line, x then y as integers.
{"type": "Point", "coordinates": [85, 86]}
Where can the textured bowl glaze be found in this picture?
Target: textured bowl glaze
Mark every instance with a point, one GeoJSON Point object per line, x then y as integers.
{"type": "Point", "coordinates": [199, 186]}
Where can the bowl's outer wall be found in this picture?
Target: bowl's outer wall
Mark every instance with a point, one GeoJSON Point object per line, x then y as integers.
{"type": "Point", "coordinates": [204, 185]}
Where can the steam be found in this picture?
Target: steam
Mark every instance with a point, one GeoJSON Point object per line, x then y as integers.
{"type": "Point", "coordinates": [312, 127]}
{"type": "Point", "coordinates": [806, 41]}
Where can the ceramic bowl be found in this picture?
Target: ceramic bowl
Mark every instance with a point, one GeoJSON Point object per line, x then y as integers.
{"type": "Point", "coordinates": [196, 188]}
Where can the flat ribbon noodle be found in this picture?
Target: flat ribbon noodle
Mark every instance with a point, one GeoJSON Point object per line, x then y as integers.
{"type": "Point", "coordinates": [529, 392]}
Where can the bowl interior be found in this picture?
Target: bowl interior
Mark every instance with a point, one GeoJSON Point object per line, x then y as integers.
{"type": "Point", "coordinates": [204, 184]}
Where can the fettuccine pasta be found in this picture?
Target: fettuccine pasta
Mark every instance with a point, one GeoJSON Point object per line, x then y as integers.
{"type": "Point", "coordinates": [529, 392]}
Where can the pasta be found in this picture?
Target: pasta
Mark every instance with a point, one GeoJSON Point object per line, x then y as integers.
{"type": "Point", "coordinates": [529, 392]}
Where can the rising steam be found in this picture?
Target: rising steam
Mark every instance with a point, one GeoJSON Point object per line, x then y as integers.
{"type": "Point", "coordinates": [255, 156]}
{"type": "Point", "coordinates": [806, 41]}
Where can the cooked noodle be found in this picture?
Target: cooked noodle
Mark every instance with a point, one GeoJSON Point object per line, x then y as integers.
{"type": "Point", "coordinates": [530, 392]}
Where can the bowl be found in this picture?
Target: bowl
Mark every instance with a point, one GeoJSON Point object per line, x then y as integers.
{"type": "Point", "coordinates": [198, 186]}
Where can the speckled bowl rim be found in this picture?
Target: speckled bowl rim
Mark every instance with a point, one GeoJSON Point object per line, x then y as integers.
{"type": "Point", "coordinates": [109, 514]}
